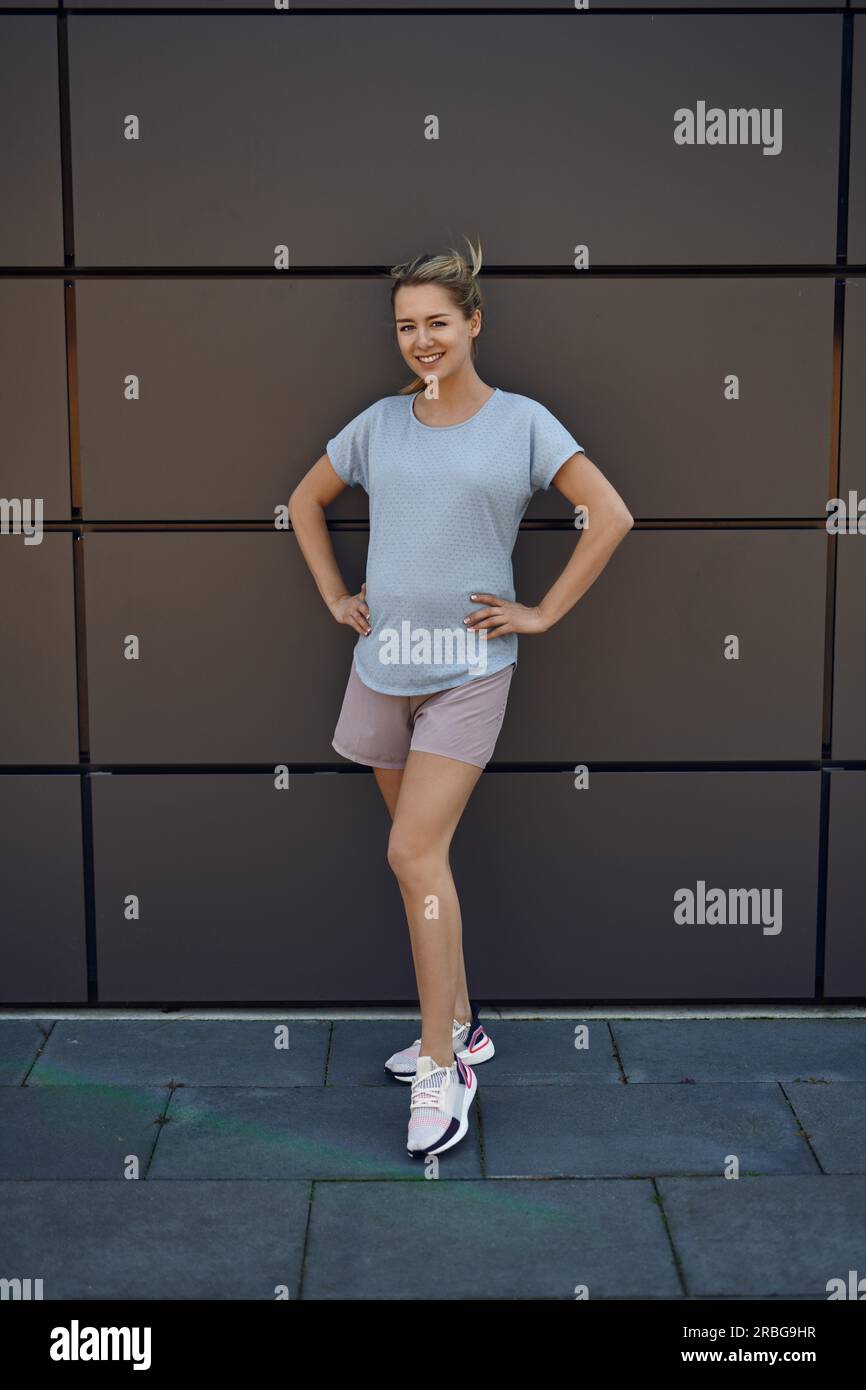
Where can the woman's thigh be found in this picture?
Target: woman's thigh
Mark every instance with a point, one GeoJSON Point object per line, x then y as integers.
{"type": "Point", "coordinates": [433, 794]}
{"type": "Point", "coordinates": [388, 780]}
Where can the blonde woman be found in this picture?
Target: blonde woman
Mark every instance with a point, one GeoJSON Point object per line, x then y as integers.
{"type": "Point", "coordinates": [449, 471]}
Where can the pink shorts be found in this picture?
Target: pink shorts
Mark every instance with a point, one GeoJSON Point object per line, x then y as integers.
{"type": "Point", "coordinates": [462, 722]}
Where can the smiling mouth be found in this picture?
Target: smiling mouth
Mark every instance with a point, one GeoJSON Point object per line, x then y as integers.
{"type": "Point", "coordinates": [429, 360]}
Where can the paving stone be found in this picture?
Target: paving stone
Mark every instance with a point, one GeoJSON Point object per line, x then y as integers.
{"type": "Point", "coordinates": [766, 1237]}
{"type": "Point", "coordinates": [20, 1041]}
{"type": "Point", "coordinates": [527, 1054]}
{"type": "Point", "coordinates": [359, 1050]}
{"type": "Point", "coordinates": [638, 1131]}
{"type": "Point", "coordinates": [301, 1132]}
{"type": "Point", "coordinates": [155, 1240]}
{"type": "Point", "coordinates": [550, 1189]}
{"type": "Point", "coordinates": [487, 1240]}
{"type": "Point", "coordinates": [77, 1131]}
{"type": "Point", "coordinates": [834, 1117]}
{"type": "Point", "coordinates": [206, 1052]}
{"type": "Point", "coordinates": [831, 1049]}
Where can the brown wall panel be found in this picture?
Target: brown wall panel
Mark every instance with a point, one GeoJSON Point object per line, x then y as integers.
{"type": "Point", "coordinates": [846, 903]}
{"type": "Point", "coordinates": [38, 693]}
{"type": "Point", "coordinates": [152, 260]}
{"type": "Point", "coordinates": [42, 944]}
{"type": "Point", "coordinates": [31, 228]}
{"type": "Point", "coordinates": [246, 891]}
{"type": "Point", "coordinates": [297, 153]}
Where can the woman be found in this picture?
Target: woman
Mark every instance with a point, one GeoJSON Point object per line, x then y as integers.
{"type": "Point", "coordinates": [449, 471]}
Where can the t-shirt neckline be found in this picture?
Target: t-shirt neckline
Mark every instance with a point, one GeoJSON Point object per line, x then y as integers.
{"type": "Point", "coordinates": [460, 423]}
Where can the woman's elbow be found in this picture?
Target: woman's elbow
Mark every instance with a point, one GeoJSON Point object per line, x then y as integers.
{"type": "Point", "coordinates": [297, 501]}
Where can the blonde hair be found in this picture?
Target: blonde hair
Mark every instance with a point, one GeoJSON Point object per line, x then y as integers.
{"type": "Point", "coordinates": [455, 273]}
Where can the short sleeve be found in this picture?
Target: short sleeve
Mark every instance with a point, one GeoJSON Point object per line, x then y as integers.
{"type": "Point", "coordinates": [349, 450]}
{"type": "Point", "coordinates": [550, 445]}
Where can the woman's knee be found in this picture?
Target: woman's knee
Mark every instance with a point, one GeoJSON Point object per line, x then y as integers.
{"type": "Point", "coordinates": [408, 854]}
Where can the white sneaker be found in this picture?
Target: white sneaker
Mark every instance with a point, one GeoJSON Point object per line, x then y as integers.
{"type": "Point", "coordinates": [472, 1044]}
{"type": "Point", "coordinates": [439, 1107]}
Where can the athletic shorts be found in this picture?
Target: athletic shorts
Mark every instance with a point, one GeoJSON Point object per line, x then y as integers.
{"type": "Point", "coordinates": [462, 722]}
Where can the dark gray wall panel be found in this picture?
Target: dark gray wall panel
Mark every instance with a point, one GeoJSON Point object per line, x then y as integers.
{"type": "Point", "coordinates": [635, 670]}
{"type": "Point", "coordinates": [247, 892]}
{"type": "Point", "coordinates": [849, 658]}
{"type": "Point", "coordinates": [236, 402]}
{"type": "Point", "coordinates": [849, 664]}
{"type": "Point", "coordinates": [636, 369]}
{"type": "Point", "coordinates": [38, 695]}
{"type": "Point", "coordinates": [230, 415]}
{"type": "Point", "coordinates": [34, 429]}
{"type": "Point", "coordinates": [431, 6]}
{"type": "Point", "coordinates": [31, 228]}
{"type": "Point", "coordinates": [852, 470]}
{"type": "Point", "coordinates": [857, 175]}
{"type": "Point", "coordinates": [239, 898]}
{"type": "Point", "coordinates": [569, 895]}
{"type": "Point", "coordinates": [265, 155]}
{"type": "Point", "coordinates": [42, 944]}
{"type": "Point", "coordinates": [845, 953]}
{"type": "Point", "coordinates": [240, 659]}
{"type": "Point", "coordinates": [255, 133]}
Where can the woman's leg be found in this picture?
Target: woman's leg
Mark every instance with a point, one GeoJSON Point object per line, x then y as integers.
{"type": "Point", "coordinates": [389, 780]}
{"type": "Point", "coordinates": [433, 793]}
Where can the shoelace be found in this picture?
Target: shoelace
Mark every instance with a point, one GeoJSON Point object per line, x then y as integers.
{"type": "Point", "coordinates": [426, 1090]}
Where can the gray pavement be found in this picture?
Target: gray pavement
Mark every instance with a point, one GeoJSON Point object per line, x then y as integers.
{"type": "Point", "coordinates": [162, 1157]}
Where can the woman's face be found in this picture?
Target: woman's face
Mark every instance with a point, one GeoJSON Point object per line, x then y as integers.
{"type": "Point", "coordinates": [428, 324]}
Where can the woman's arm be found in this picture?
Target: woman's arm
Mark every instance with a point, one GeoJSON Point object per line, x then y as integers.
{"type": "Point", "coordinates": [608, 520]}
{"type": "Point", "coordinates": [316, 490]}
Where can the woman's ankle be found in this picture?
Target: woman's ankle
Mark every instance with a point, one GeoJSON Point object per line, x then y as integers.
{"type": "Point", "coordinates": [438, 1055]}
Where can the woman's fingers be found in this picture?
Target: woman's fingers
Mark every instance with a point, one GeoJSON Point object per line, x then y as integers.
{"type": "Point", "coordinates": [484, 617]}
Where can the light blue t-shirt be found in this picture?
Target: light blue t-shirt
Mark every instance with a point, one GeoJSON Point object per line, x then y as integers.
{"type": "Point", "coordinates": [446, 503]}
